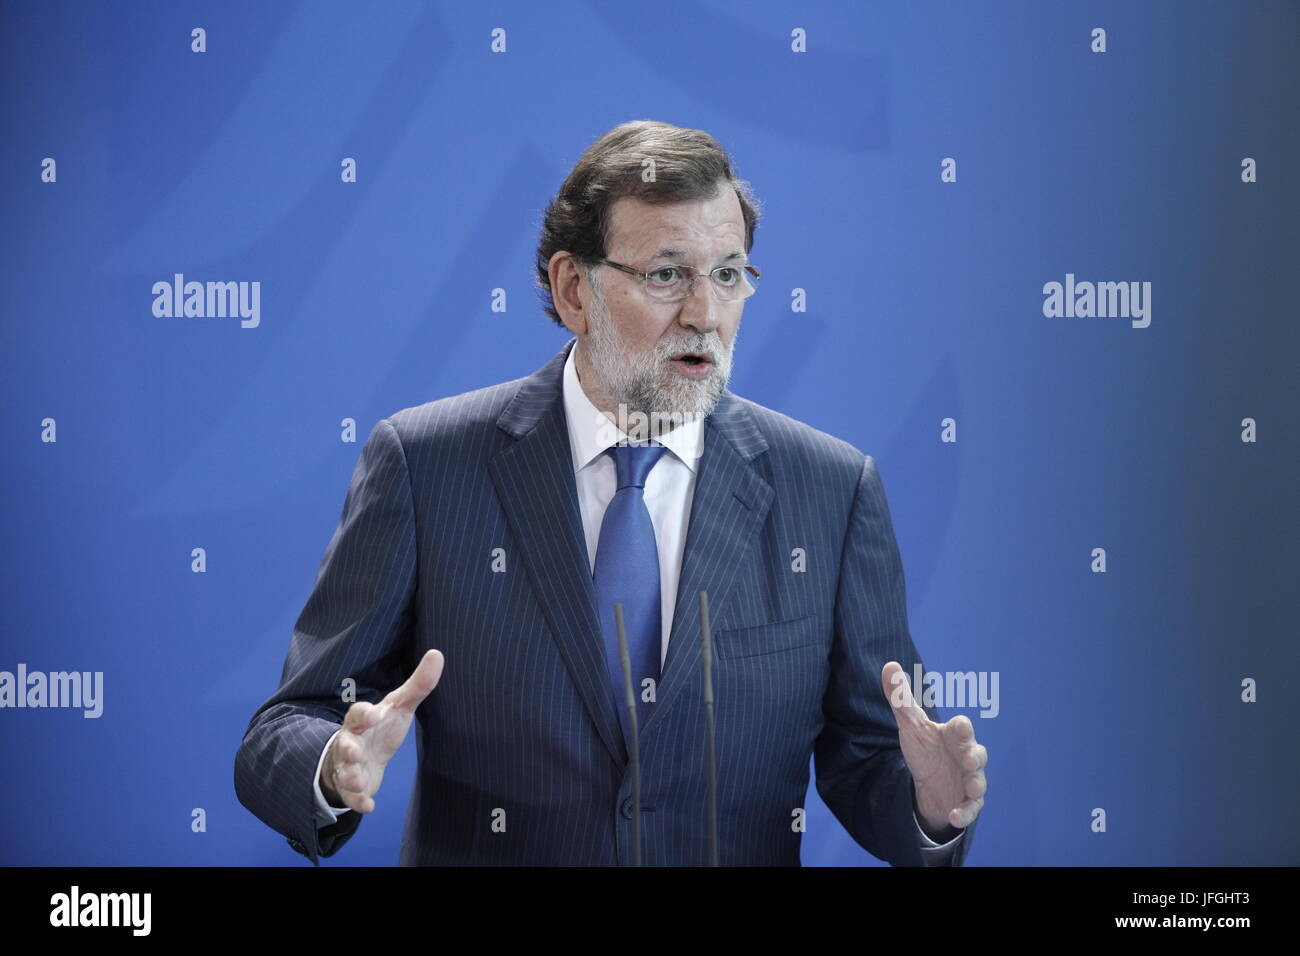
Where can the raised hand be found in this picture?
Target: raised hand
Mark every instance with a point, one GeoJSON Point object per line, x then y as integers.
{"type": "Point", "coordinates": [947, 764]}
{"type": "Point", "coordinates": [371, 734]}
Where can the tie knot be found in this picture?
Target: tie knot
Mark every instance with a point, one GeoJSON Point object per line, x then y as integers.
{"type": "Point", "coordinates": [634, 463]}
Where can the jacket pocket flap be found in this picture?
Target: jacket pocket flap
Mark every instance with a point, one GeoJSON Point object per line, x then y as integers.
{"type": "Point", "coordinates": [757, 639]}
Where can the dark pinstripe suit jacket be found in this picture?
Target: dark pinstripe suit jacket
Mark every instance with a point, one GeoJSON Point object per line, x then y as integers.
{"type": "Point", "coordinates": [522, 729]}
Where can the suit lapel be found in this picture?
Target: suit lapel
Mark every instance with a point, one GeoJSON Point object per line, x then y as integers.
{"type": "Point", "coordinates": [534, 481]}
{"type": "Point", "coordinates": [731, 503]}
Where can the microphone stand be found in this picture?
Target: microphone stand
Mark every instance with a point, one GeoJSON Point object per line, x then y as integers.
{"type": "Point", "coordinates": [710, 767]}
{"type": "Point", "coordinates": [634, 750]}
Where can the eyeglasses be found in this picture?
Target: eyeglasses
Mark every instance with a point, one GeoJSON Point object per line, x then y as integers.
{"type": "Point", "coordinates": [675, 283]}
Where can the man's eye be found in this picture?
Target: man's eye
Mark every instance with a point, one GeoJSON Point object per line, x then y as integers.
{"type": "Point", "coordinates": [727, 276]}
{"type": "Point", "coordinates": [664, 276]}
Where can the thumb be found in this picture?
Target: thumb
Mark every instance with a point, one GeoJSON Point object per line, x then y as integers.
{"type": "Point", "coordinates": [419, 685]}
{"type": "Point", "coordinates": [899, 692]}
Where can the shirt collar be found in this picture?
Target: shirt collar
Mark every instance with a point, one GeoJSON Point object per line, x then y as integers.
{"type": "Point", "coordinates": [591, 432]}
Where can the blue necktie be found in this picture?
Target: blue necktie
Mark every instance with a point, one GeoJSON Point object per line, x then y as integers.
{"type": "Point", "coordinates": [627, 573]}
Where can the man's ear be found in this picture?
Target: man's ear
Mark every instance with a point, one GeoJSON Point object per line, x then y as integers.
{"type": "Point", "coordinates": [569, 290]}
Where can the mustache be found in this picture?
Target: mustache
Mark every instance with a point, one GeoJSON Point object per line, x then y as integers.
{"type": "Point", "coordinates": [709, 347]}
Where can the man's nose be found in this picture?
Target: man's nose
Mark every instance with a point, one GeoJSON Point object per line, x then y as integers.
{"type": "Point", "coordinates": [700, 309]}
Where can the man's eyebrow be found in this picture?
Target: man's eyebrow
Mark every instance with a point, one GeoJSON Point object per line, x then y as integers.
{"type": "Point", "coordinates": [680, 254]}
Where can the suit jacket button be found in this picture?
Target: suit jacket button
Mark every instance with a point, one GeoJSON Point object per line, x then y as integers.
{"type": "Point", "coordinates": [626, 809]}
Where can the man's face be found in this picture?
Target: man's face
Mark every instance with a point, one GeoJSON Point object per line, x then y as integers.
{"type": "Point", "coordinates": [633, 343]}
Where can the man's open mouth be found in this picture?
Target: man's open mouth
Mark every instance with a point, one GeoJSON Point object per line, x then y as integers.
{"type": "Point", "coordinates": [692, 358]}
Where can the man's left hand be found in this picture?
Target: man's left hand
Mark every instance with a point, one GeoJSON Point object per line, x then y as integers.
{"type": "Point", "coordinates": [947, 764]}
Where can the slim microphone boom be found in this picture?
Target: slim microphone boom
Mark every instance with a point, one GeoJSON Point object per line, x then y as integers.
{"type": "Point", "coordinates": [634, 750]}
{"type": "Point", "coordinates": [710, 769]}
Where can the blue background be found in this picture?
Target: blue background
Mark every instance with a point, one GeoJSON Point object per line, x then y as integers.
{"type": "Point", "coordinates": [1118, 690]}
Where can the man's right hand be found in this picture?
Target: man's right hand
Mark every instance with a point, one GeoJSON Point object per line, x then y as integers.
{"type": "Point", "coordinates": [370, 735]}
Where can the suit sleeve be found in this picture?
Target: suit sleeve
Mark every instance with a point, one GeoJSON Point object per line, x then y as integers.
{"type": "Point", "coordinates": [860, 770]}
{"type": "Point", "coordinates": [356, 624]}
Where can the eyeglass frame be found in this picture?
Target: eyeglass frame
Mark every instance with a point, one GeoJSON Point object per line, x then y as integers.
{"type": "Point", "coordinates": [695, 277]}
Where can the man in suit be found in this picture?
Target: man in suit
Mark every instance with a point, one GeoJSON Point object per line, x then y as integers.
{"type": "Point", "coordinates": [485, 538]}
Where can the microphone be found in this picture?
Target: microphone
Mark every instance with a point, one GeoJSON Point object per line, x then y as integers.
{"type": "Point", "coordinates": [710, 769]}
{"type": "Point", "coordinates": [634, 749]}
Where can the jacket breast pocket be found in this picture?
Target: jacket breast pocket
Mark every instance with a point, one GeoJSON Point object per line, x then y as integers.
{"type": "Point", "coordinates": [760, 639]}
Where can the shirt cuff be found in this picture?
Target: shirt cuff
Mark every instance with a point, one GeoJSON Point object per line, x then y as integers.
{"type": "Point", "coordinates": [325, 814]}
{"type": "Point", "coordinates": [936, 854]}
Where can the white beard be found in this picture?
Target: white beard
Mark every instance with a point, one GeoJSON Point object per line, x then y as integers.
{"type": "Point", "coordinates": [647, 383]}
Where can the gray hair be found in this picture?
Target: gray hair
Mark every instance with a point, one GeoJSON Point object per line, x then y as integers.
{"type": "Point", "coordinates": [689, 164]}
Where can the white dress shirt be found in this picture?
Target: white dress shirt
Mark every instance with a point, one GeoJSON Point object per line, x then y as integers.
{"type": "Point", "coordinates": [669, 492]}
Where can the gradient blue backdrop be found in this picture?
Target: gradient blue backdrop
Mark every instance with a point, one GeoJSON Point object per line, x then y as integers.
{"type": "Point", "coordinates": [1118, 690]}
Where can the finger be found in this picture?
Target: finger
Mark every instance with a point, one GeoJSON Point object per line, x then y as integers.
{"type": "Point", "coordinates": [349, 749]}
{"type": "Point", "coordinates": [899, 693]}
{"type": "Point", "coordinates": [359, 802]}
{"type": "Point", "coordinates": [975, 785]}
{"type": "Point", "coordinates": [360, 717]}
{"type": "Point", "coordinates": [975, 758]}
{"type": "Point", "coordinates": [344, 751]}
{"type": "Point", "coordinates": [350, 778]}
{"type": "Point", "coordinates": [959, 732]}
{"type": "Point", "coordinates": [348, 782]}
{"type": "Point", "coordinates": [965, 815]}
{"type": "Point", "coordinates": [419, 685]}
